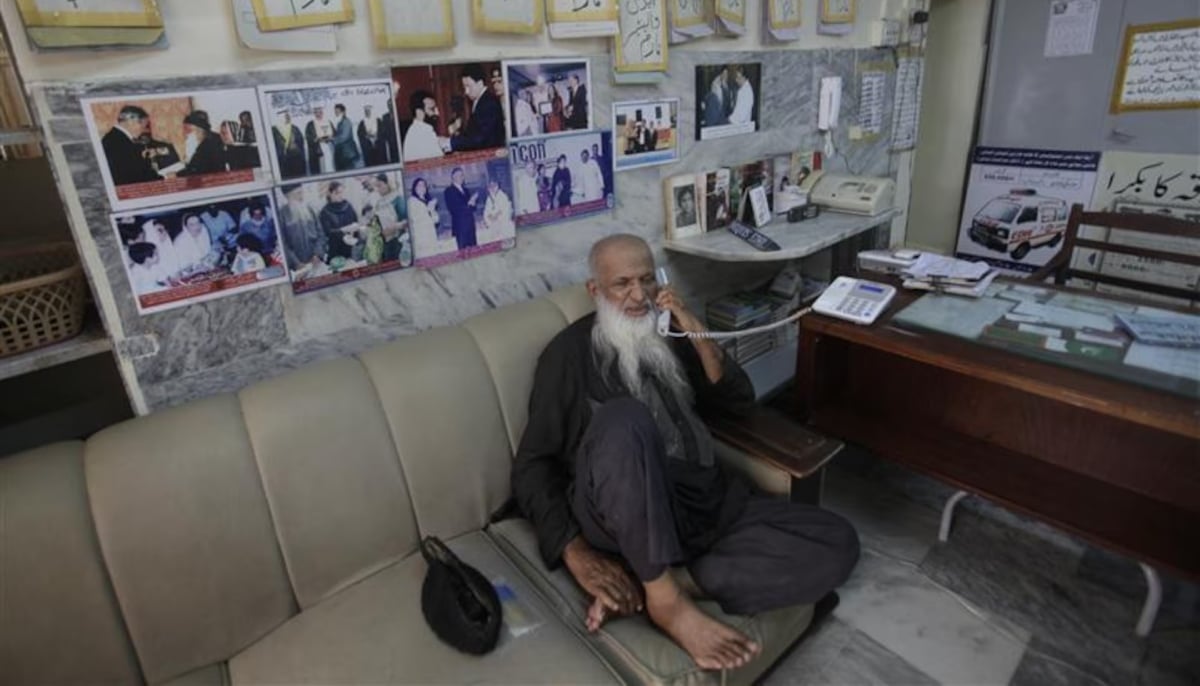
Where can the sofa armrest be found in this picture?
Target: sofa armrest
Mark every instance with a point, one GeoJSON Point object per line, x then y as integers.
{"type": "Point", "coordinates": [769, 448]}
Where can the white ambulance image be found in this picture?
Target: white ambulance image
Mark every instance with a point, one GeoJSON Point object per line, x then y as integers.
{"type": "Point", "coordinates": [1019, 222]}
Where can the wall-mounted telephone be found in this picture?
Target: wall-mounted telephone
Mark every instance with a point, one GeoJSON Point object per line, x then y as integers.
{"type": "Point", "coordinates": [855, 300]}
{"type": "Point", "coordinates": [830, 103]}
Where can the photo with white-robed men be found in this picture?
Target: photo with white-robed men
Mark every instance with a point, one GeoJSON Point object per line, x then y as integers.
{"type": "Point", "coordinates": [319, 130]}
{"type": "Point", "coordinates": [728, 99]}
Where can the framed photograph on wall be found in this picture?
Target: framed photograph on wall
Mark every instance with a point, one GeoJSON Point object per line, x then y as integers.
{"type": "Point", "coordinates": [460, 211]}
{"type": "Point", "coordinates": [546, 97]}
{"type": "Point", "coordinates": [345, 228]}
{"type": "Point", "coordinates": [175, 147]}
{"type": "Point", "coordinates": [450, 112]}
{"type": "Point", "coordinates": [325, 129]}
{"type": "Point", "coordinates": [645, 133]}
{"type": "Point", "coordinates": [727, 99]}
{"type": "Point", "coordinates": [188, 253]}
{"type": "Point", "coordinates": [558, 178]}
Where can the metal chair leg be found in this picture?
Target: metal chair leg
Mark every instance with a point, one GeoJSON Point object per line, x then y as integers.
{"type": "Point", "coordinates": [948, 515]}
{"type": "Point", "coordinates": [1153, 601]}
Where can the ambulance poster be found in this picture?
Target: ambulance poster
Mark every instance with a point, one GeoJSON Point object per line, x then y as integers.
{"type": "Point", "coordinates": [1018, 200]}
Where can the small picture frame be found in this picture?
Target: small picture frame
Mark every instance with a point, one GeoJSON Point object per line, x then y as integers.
{"type": "Point", "coordinates": [761, 205]}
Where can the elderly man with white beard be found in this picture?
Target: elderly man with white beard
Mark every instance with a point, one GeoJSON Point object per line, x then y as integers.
{"type": "Point", "coordinates": [617, 473]}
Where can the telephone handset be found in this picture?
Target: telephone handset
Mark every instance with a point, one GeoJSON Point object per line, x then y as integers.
{"type": "Point", "coordinates": [664, 317]}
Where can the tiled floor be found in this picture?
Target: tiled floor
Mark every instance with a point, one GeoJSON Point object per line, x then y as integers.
{"type": "Point", "coordinates": [1006, 601]}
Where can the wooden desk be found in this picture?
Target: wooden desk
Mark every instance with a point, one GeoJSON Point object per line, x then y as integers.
{"type": "Point", "coordinates": [1112, 462]}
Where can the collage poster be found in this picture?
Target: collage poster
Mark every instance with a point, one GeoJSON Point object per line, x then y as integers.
{"type": "Point", "coordinates": [454, 137]}
{"type": "Point", "coordinates": [341, 229]}
{"type": "Point", "coordinates": [183, 254]}
{"type": "Point", "coordinates": [562, 177]}
{"type": "Point", "coordinates": [324, 129]}
{"type": "Point", "coordinates": [175, 147]}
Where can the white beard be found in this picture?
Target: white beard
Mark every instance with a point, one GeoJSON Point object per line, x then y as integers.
{"type": "Point", "coordinates": [633, 344]}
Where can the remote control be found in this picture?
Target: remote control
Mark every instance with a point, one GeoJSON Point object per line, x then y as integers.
{"type": "Point", "coordinates": [755, 238]}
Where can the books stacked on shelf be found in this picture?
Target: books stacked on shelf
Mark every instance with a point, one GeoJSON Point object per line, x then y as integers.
{"type": "Point", "coordinates": [741, 311]}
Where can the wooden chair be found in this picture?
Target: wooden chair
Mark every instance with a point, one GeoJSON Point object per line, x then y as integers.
{"type": "Point", "coordinates": [1154, 224]}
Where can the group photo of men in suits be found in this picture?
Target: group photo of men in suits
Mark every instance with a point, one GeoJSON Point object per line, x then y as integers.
{"type": "Point", "coordinates": [548, 96]}
{"type": "Point", "coordinates": [326, 130]}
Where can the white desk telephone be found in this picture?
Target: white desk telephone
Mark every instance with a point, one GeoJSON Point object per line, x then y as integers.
{"type": "Point", "coordinates": [854, 300]}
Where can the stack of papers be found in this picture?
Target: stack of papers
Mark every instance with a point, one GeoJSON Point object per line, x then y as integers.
{"type": "Point", "coordinates": [949, 275]}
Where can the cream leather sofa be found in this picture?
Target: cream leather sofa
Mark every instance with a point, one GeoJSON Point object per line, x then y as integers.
{"type": "Point", "coordinates": [270, 536]}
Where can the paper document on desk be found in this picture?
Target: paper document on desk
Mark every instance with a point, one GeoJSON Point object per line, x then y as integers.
{"type": "Point", "coordinates": [973, 291]}
{"type": "Point", "coordinates": [954, 316]}
{"type": "Point", "coordinates": [1180, 362]}
{"type": "Point", "coordinates": [1061, 316]}
{"type": "Point", "coordinates": [930, 266]}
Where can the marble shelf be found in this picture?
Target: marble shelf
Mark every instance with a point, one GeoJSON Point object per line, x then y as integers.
{"type": "Point", "coordinates": [796, 240]}
{"type": "Point", "coordinates": [91, 341]}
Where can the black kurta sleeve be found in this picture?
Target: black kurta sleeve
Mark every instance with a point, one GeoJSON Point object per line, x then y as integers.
{"type": "Point", "coordinates": [540, 478]}
{"type": "Point", "coordinates": [733, 392]}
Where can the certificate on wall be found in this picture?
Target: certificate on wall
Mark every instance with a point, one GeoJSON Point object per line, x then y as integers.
{"type": "Point", "coordinates": [838, 11]}
{"type": "Point", "coordinates": [406, 24]}
{"type": "Point", "coordinates": [278, 15]}
{"type": "Point", "coordinates": [689, 19]}
{"type": "Point", "coordinates": [782, 19]}
{"type": "Point", "coordinates": [577, 19]}
{"type": "Point", "coordinates": [641, 45]}
{"type": "Point", "coordinates": [731, 16]}
{"type": "Point", "coordinates": [508, 16]}
{"type": "Point", "coordinates": [1159, 69]}
{"type": "Point", "coordinates": [91, 13]}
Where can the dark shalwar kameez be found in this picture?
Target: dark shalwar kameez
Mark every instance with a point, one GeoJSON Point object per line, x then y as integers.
{"type": "Point", "coordinates": [638, 478]}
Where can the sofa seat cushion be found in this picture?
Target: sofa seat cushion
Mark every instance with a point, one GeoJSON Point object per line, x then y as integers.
{"type": "Point", "coordinates": [632, 645]}
{"type": "Point", "coordinates": [373, 632]}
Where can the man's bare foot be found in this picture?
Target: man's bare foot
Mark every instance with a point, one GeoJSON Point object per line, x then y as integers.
{"type": "Point", "coordinates": [710, 643]}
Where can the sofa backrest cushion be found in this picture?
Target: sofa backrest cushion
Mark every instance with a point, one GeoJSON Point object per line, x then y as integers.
{"type": "Point", "coordinates": [511, 339]}
{"type": "Point", "coordinates": [332, 479]}
{"type": "Point", "coordinates": [187, 536]}
{"type": "Point", "coordinates": [443, 410]}
{"type": "Point", "coordinates": [574, 302]}
{"type": "Point", "coordinates": [59, 620]}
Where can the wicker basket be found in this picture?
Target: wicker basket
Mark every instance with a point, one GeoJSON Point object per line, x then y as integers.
{"type": "Point", "coordinates": [41, 296]}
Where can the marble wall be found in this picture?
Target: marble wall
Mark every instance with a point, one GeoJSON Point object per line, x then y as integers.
{"type": "Point", "coordinates": [226, 344]}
